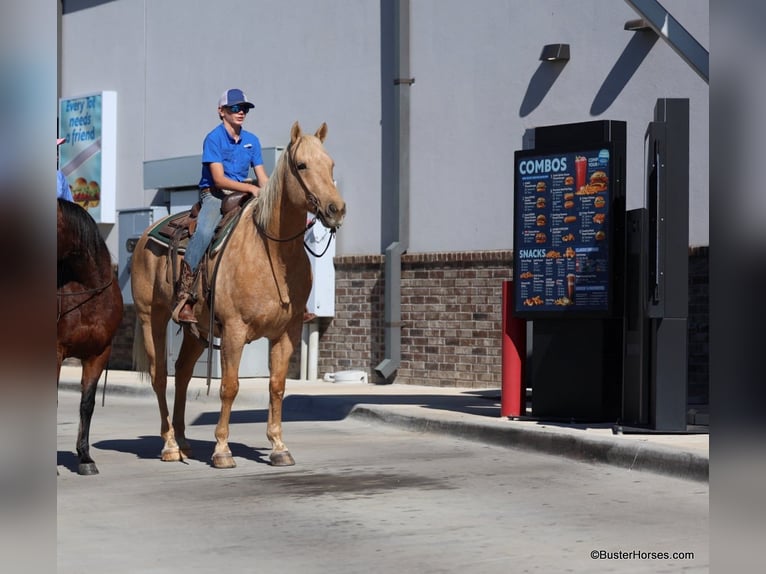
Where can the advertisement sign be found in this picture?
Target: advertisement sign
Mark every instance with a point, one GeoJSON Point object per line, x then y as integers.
{"type": "Point", "coordinates": [88, 157]}
{"type": "Point", "coordinates": [562, 234]}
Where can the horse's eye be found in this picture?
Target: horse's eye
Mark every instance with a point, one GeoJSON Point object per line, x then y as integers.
{"type": "Point", "coordinates": [301, 165]}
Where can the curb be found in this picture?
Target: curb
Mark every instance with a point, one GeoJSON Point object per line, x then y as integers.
{"type": "Point", "coordinates": [630, 455]}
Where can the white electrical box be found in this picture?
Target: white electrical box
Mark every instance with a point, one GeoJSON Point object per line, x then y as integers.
{"type": "Point", "coordinates": [322, 297]}
{"type": "Point", "coordinates": [132, 224]}
{"type": "Point", "coordinates": [254, 362]}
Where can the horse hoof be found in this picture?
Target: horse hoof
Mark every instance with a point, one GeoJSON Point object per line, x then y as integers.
{"type": "Point", "coordinates": [224, 461]}
{"type": "Point", "coordinates": [87, 469]}
{"type": "Point", "coordinates": [171, 454]}
{"type": "Point", "coordinates": [283, 458]}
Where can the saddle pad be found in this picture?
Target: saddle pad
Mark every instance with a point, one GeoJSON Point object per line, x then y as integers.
{"type": "Point", "coordinates": [157, 237]}
{"type": "Point", "coordinates": [220, 233]}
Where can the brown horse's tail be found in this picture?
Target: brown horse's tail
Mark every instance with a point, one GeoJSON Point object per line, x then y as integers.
{"type": "Point", "coordinates": [140, 359]}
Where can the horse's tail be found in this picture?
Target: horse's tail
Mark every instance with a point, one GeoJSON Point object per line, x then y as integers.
{"type": "Point", "coordinates": [140, 358]}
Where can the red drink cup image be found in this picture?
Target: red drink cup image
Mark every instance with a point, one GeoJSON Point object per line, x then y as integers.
{"type": "Point", "coordinates": [571, 286]}
{"type": "Point", "coordinates": [580, 169]}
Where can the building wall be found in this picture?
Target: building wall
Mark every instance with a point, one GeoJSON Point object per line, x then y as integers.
{"type": "Point", "coordinates": [479, 85]}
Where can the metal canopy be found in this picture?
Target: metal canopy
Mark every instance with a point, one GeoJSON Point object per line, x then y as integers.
{"type": "Point", "coordinates": [670, 30]}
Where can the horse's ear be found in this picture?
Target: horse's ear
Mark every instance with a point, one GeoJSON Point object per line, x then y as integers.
{"type": "Point", "coordinates": [322, 132]}
{"type": "Point", "coordinates": [295, 132]}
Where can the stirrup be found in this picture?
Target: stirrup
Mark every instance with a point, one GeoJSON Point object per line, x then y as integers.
{"type": "Point", "coordinates": [179, 311]}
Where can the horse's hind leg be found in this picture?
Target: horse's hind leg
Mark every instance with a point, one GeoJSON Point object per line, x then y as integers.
{"type": "Point", "coordinates": [91, 372]}
{"type": "Point", "coordinates": [191, 349]}
{"type": "Point", "coordinates": [154, 329]}
{"type": "Point", "coordinates": [281, 351]}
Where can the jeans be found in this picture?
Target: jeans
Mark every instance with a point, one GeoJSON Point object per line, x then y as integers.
{"type": "Point", "coordinates": [207, 220]}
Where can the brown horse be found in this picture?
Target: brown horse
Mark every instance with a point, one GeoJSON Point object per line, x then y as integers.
{"type": "Point", "coordinates": [89, 310]}
{"type": "Point", "coordinates": [261, 287]}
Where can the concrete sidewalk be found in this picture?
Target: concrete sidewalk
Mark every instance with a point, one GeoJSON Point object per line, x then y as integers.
{"type": "Point", "coordinates": [472, 414]}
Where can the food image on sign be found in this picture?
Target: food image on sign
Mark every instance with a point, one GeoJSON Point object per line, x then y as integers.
{"type": "Point", "coordinates": [86, 194]}
{"type": "Point", "coordinates": [598, 181]}
{"type": "Point", "coordinates": [561, 237]}
{"type": "Point", "coordinates": [533, 301]}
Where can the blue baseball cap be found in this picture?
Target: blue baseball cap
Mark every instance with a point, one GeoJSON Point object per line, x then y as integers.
{"type": "Point", "coordinates": [234, 96]}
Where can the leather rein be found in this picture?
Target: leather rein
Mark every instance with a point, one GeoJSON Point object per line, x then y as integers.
{"type": "Point", "coordinates": [311, 198]}
{"type": "Point", "coordinates": [92, 292]}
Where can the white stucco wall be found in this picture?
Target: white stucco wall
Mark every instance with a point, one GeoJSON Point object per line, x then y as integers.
{"type": "Point", "coordinates": [479, 85]}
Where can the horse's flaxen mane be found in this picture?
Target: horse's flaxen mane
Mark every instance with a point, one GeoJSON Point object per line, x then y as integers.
{"type": "Point", "coordinates": [267, 200]}
{"type": "Point", "coordinates": [85, 237]}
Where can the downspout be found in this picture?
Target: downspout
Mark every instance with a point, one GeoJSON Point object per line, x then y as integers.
{"type": "Point", "coordinates": [396, 204]}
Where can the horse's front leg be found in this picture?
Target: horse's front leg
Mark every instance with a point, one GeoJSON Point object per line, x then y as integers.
{"type": "Point", "coordinates": [91, 372]}
{"type": "Point", "coordinates": [191, 349]}
{"type": "Point", "coordinates": [281, 351]}
{"type": "Point", "coordinates": [231, 354]}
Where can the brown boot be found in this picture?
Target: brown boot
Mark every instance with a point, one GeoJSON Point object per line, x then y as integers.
{"type": "Point", "coordinates": [185, 299]}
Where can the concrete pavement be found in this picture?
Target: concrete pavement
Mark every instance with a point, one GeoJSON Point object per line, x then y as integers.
{"type": "Point", "coordinates": [472, 414]}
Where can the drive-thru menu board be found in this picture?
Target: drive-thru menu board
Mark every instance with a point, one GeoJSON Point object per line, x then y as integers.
{"type": "Point", "coordinates": [562, 220]}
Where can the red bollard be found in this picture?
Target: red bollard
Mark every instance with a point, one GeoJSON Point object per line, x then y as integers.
{"type": "Point", "coordinates": [514, 354]}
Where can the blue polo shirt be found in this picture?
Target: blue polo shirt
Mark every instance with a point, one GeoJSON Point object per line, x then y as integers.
{"type": "Point", "coordinates": [236, 157]}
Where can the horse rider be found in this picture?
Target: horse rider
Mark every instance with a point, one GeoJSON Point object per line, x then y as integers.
{"type": "Point", "coordinates": [228, 152]}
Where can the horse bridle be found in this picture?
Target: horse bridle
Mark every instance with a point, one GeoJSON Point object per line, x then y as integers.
{"type": "Point", "coordinates": [310, 197]}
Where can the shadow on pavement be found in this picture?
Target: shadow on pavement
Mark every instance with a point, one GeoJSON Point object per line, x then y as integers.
{"type": "Point", "coordinates": [149, 447]}
{"type": "Point", "coordinates": [305, 408]}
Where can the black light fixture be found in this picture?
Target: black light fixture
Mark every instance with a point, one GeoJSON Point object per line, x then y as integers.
{"type": "Point", "coordinates": [555, 53]}
{"type": "Point", "coordinates": [639, 25]}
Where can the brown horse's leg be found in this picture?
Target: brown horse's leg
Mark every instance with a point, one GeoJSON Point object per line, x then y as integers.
{"type": "Point", "coordinates": [281, 351]}
{"type": "Point", "coordinates": [191, 349]}
{"type": "Point", "coordinates": [231, 353]}
{"type": "Point", "coordinates": [91, 372]}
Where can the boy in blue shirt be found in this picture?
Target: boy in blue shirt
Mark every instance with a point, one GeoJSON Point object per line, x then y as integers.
{"type": "Point", "coordinates": [228, 152]}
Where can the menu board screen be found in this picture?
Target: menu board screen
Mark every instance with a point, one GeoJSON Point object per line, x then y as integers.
{"type": "Point", "coordinates": [562, 215]}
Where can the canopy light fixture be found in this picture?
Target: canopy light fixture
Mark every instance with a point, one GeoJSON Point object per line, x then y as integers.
{"type": "Point", "coordinates": [639, 25]}
{"type": "Point", "coordinates": [555, 53]}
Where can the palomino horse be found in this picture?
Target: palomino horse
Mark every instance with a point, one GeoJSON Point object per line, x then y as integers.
{"type": "Point", "coordinates": [261, 287]}
{"type": "Point", "coordinates": [89, 310]}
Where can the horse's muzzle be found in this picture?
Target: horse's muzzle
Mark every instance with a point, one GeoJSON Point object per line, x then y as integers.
{"type": "Point", "coordinates": [333, 216]}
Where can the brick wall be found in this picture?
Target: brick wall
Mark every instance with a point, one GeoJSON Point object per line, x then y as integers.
{"type": "Point", "coordinates": [451, 318]}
